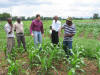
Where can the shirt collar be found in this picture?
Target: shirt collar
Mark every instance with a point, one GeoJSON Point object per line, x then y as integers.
{"type": "Point", "coordinates": [69, 26]}
{"type": "Point", "coordinates": [37, 20]}
{"type": "Point", "coordinates": [19, 23]}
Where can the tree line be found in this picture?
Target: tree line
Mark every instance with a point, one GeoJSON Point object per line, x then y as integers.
{"type": "Point", "coordinates": [4, 16]}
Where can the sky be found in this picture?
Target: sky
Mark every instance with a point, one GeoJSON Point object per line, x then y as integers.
{"type": "Point", "coordinates": [50, 8]}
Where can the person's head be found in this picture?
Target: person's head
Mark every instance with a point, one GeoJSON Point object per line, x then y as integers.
{"type": "Point", "coordinates": [56, 18]}
{"type": "Point", "coordinates": [38, 17]}
{"type": "Point", "coordinates": [69, 21]}
{"type": "Point", "coordinates": [18, 19]}
{"type": "Point", "coordinates": [9, 21]}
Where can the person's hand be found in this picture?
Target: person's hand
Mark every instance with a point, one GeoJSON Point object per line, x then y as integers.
{"type": "Point", "coordinates": [43, 35]}
{"type": "Point", "coordinates": [10, 32]}
{"type": "Point", "coordinates": [68, 35]}
{"type": "Point", "coordinates": [59, 33]}
{"type": "Point", "coordinates": [65, 35]}
{"type": "Point", "coordinates": [32, 35]}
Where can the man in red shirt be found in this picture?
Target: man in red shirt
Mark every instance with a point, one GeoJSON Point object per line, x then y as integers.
{"type": "Point", "coordinates": [36, 30]}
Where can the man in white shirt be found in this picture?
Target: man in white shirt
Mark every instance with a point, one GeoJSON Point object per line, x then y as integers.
{"type": "Point", "coordinates": [10, 36]}
{"type": "Point", "coordinates": [56, 26]}
{"type": "Point", "coordinates": [18, 27]}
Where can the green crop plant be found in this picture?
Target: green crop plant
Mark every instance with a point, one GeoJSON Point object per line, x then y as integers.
{"type": "Point", "coordinates": [33, 60]}
{"type": "Point", "coordinates": [75, 61]}
{"type": "Point", "coordinates": [98, 59]}
{"type": "Point", "coordinates": [13, 68]}
{"type": "Point", "coordinates": [47, 57]}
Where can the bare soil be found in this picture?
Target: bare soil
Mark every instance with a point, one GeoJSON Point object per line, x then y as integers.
{"type": "Point", "coordinates": [90, 68]}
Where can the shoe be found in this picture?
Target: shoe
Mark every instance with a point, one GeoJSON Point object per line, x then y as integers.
{"type": "Point", "coordinates": [67, 57]}
{"type": "Point", "coordinates": [40, 49]}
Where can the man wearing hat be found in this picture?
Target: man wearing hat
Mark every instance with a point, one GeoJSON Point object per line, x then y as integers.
{"type": "Point", "coordinates": [69, 32]}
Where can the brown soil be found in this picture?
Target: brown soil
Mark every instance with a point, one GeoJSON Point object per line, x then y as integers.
{"type": "Point", "coordinates": [3, 65]}
{"type": "Point", "coordinates": [90, 68]}
{"type": "Point", "coordinates": [90, 36]}
{"type": "Point", "coordinates": [81, 34]}
{"type": "Point", "coordinates": [98, 38]}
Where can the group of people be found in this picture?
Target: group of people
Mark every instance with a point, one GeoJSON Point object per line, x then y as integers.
{"type": "Point", "coordinates": [37, 32]}
{"type": "Point", "coordinates": [10, 28]}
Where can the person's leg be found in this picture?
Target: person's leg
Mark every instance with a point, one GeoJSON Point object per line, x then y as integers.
{"type": "Point", "coordinates": [23, 41]}
{"type": "Point", "coordinates": [35, 39]}
{"type": "Point", "coordinates": [52, 37]}
{"type": "Point", "coordinates": [65, 46]}
{"type": "Point", "coordinates": [56, 38]}
{"type": "Point", "coordinates": [9, 46]}
{"type": "Point", "coordinates": [70, 44]}
{"type": "Point", "coordinates": [18, 40]}
{"type": "Point", "coordinates": [40, 39]}
{"type": "Point", "coordinates": [70, 47]}
{"type": "Point", "coordinates": [13, 42]}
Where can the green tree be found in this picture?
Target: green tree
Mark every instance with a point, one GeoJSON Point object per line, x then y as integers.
{"type": "Point", "coordinates": [4, 16]}
{"type": "Point", "coordinates": [95, 16]}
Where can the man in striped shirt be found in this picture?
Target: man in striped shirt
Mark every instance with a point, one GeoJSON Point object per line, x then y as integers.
{"type": "Point", "coordinates": [69, 32]}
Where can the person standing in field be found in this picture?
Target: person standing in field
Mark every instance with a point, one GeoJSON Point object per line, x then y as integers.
{"type": "Point", "coordinates": [10, 36]}
{"type": "Point", "coordinates": [55, 33]}
{"type": "Point", "coordinates": [18, 27]}
{"type": "Point", "coordinates": [36, 30]}
{"type": "Point", "coordinates": [69, 32]}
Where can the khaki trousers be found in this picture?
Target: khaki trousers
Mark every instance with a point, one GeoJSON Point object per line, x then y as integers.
{"type": "Point", "coordinates": [10, 45]}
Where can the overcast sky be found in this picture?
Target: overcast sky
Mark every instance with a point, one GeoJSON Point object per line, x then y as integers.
{"type": "Point", "coordinates": [62, 8]}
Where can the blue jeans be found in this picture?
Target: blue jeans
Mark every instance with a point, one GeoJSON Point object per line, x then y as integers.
{"type": "Point", "coordinates": [67, 45]}
{"type": "Point", "coordinates": [37, 38]}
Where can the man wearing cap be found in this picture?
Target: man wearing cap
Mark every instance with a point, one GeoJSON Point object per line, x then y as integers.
{"type": "Point", "coordinates": [56, 26]}
{"type": "Point", "coordinates": [18, 27]}
{"type": "Point", "coordinates": [69, 32]}
{"type": "Point", "coordinates": [10, 36]}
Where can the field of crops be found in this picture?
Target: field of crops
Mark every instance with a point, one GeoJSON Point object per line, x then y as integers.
{"type": "Point", "coordinates": [52, 60]}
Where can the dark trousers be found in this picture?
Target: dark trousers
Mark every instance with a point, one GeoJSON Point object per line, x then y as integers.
{"type": "Point", "coordinates": [54, 37]}
{"type": "Point", "coordinates": [67, 45]}
{"type": "Point", "coordinates": [21, 39]}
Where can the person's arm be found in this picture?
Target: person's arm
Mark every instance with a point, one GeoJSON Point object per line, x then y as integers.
{"type": "Point", "coordinates": [8, 31]}
{"type": "Point", "coordinates": [69, 35]}
{"type": "Point", "coordinates": [52, 25]}
{"type": "Point", "coordinates": [42, 29]}
{"type": "Point", "coordinates": [14, 27]}
{"type": "Point", "coordinates": [11, 29]}
{"type": "Point", "coordinates": [31, 29]}
{"type": "Point", "coordinates": [72, 34]}
{"type": "Point", "coordinates": [63, 26]}
{"type": "Point", "coordinates": [59, 31]}
{"type": "Point", "coordinates": [74, 30]}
